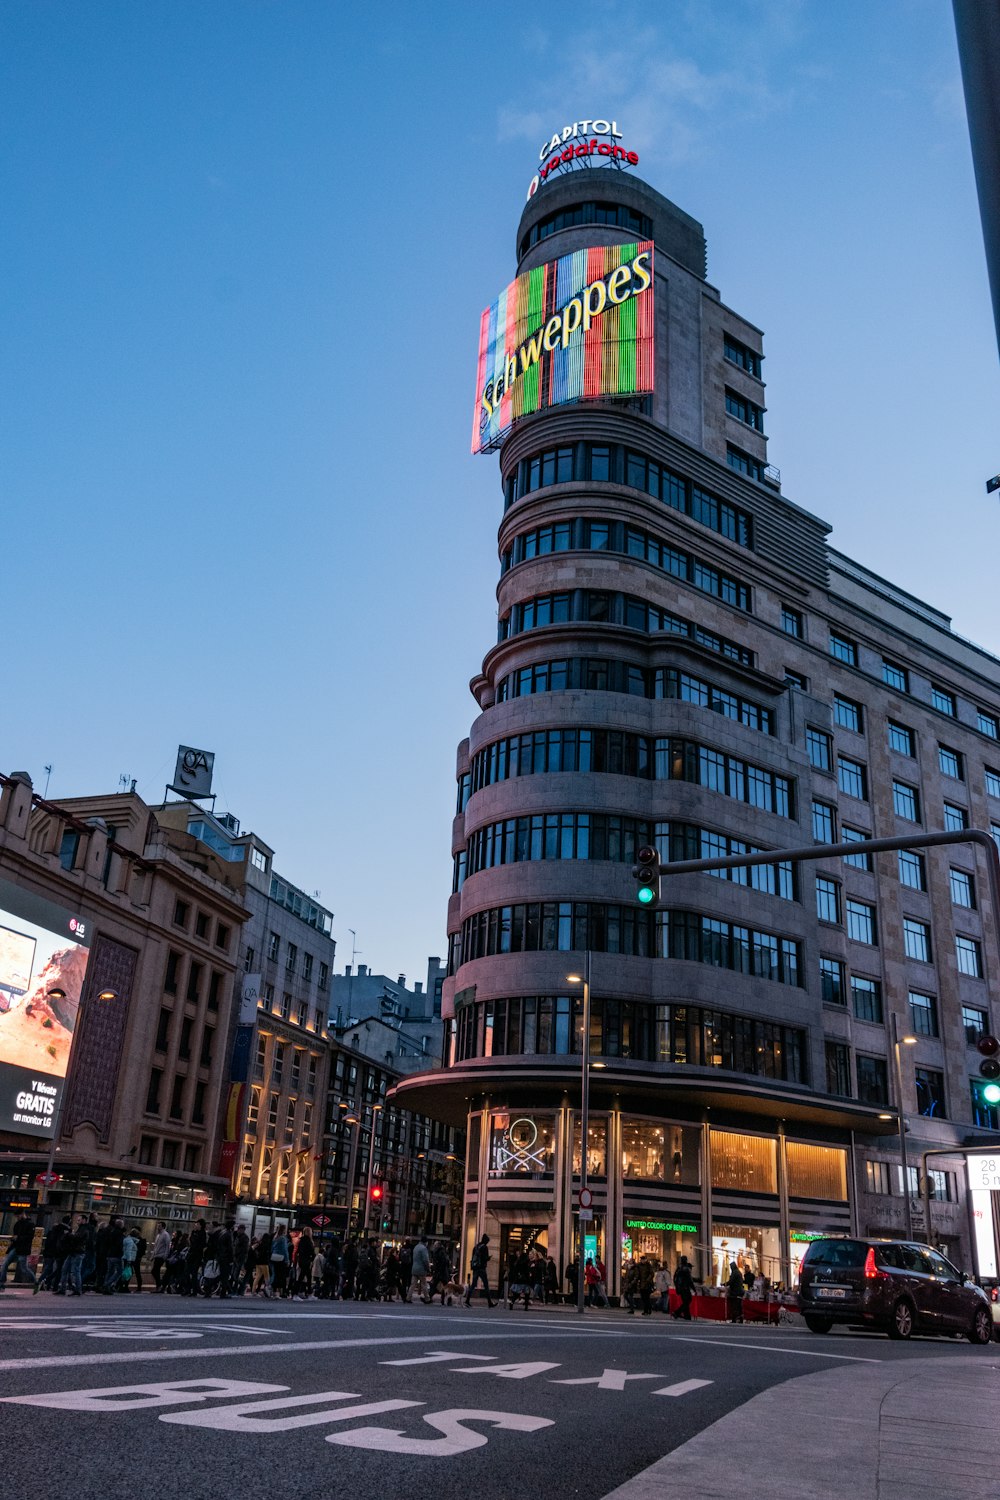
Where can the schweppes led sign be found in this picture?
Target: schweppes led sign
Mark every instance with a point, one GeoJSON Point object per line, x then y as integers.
{"type": "Point", "coordinates": [573, 329]}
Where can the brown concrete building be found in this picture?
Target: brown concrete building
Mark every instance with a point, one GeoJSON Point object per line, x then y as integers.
{"type": "Point", "coordinates": [683, 660]}
{"type": "Point", "coordinates": [137, 1130]}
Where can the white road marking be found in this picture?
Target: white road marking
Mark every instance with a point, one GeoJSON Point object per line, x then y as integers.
{"type": "Point", "coordinates": [139, 1397]}
{"type": "Point", "coordinates": [775, 1349]}
{"type": "Point", "coordinates": [508, 1372]}
{"type": "Point", "coordinates": [457, 1437]}
{"type": "Point", "coordinates": [436, 1357]}
{"type": "Point", "coordinates": [681, 1388]}
{"type": "Point", "coordinates": [613, 1380]}
{"type": "Point", "coordinates": [249, 1415]}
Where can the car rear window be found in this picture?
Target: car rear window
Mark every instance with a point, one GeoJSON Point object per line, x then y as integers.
{"type": "Point", "coordinates": [846, 1253]}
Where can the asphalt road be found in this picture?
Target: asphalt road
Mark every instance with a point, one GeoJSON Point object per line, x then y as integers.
{"type": "Point", "coordinates": [142, 1394]}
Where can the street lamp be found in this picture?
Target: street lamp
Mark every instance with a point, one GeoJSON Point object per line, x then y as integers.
{"type": "Point", "coordinates": [583, 979]}
{"type": "Point", "coordinates": [897, 1042]}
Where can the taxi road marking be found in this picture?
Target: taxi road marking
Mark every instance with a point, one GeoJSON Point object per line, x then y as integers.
{"type": "Point", "coordinates": [681, 1388]}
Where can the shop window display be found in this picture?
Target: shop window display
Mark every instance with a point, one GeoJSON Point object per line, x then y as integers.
{"type": "Point", "coordinates": [746, 1163]}
{"type": "Point", "coordinates": [816, 1172]}
{"type": "Point", "coordinates": [661, 1240]}
{"type": "Point", "coordinates": [597, 1148]}
{"type": "Point", "coordinates": [522, 1145]}
{"type": "Point", "coordinates": [660, 1153]}
{"type": "Point", "coordinates": [754, 1248]}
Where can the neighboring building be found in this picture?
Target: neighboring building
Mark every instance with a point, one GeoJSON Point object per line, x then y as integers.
{"type": "Point", "coordinates": [417, 1163]}
{"type": "Point", "coordinates": [978, 29]}
{"type": "Point", "coordinates": [137, 1133]}
{"type": "Point", "coordinates": [384, 1019]}
{"type": "Point", "coordinates": [272, 1131]}
{"type": "Point", "coordinates": [683, 660]}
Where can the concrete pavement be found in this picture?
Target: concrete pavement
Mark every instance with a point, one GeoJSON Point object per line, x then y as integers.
{"type": "Point", "coordinates": [925, 1428]}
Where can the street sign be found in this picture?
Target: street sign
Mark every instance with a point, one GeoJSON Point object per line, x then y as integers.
{"type": "Point", "coordinates": [47, 1178]}
{"type": "Point", "coordinates": [585, 1198]}
{"type": "Point", "coordinates": [586, 1214]}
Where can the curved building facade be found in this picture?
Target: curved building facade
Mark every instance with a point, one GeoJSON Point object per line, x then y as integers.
{"type": "Point", "coordinates": [681, 660]}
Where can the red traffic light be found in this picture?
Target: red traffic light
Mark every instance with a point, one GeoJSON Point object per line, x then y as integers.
{"type": "Point", "coordinates": [376, 1193]}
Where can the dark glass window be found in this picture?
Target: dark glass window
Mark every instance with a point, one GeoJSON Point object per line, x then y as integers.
{"type": "Point", "coordinates": [831, 978]}
{"type": "Point", "coordinates": [950, 763]}
{"type": "Point", "coordinates": [843, 649]}
{"type": "Point", "coordinates": [819, 747]}
{"type": "Point", "coordinates": [906, 801]}
{"type": "Point", "coordinates": [850, 835]}
{"type": "Point", "coordinates": [740, 354]}
{"type": "Point", "coordinates": [930, 1092]}
{"type": "Point", "coordinates": [824, 823]}
{"type": "Point", "coordinates": [900, 738]}
{"type": "Point", "coordinates": [912, 870]}
{"type": "Point", "coordinates": [866, 998]}
{"type": "Point", "coordinates": [792, 622]}
{"type": "Point", "coordinates": [873, 1081]}
{"type": "Point", "coordinates": [852, 778]}
{"type": "Point", "coordinates": [923, 1013]}
{"type": "Point", "coordinates": [838, 1069]}
{"type": "Point", "coordinates": [848, 714]}
{"type": "Point", "coordinates": [895, 676]}
{"type": "Point", "coordinates": [956, 819]}
{"type": "Point", "coordinates": [962, 886]}
{"type": "Point", "coordinates": [988, 724]}
{"type": "Point", "coordinates": [917, 940]}
{"type": "Point", "coordinates": [943, 701]}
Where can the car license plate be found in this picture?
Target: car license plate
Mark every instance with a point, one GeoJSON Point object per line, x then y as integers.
{"type": "Point", "coordinates": [830, 1291]}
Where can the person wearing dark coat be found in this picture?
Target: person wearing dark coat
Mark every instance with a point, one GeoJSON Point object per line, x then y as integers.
{"type": "Point", "coordinates": [684, 1287]}
{"type": "Point", "coordinates": [735, 1288]}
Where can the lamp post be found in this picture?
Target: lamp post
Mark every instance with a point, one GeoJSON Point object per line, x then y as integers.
{"type": "Point", "coordinates": [897, 1042]}
{"type": "Point", "coordinates": [583, 979]}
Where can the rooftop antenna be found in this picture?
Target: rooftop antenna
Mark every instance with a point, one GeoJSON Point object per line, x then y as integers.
{"type": "Point", "coordinates": [126, 782]}
{"type": "Point", "coordinates": [48, 772]}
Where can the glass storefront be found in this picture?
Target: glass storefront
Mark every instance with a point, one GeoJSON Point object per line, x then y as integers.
{"type": "Point", "coordinates": [522, 1145]}
{"type": "Point", "coordinates": [597, 1148]}
{"type": "Point", "coordinates": [660, 1240]}
{"type": "Point", "coordinates": [658, 1152]}
{"type": "Point", "coordinates": [753, 1247]}
{"type": "Point", "coordinates": [747, 1163]}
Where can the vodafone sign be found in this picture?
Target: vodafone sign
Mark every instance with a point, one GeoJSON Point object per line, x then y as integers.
{"type": "Point", "coordinates": [575, 145]}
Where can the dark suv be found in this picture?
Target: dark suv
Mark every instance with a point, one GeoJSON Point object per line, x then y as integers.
{"type": "Point", "coordinates": [894, 1285]}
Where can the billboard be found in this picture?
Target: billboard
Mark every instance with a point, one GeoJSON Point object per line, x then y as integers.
{"type": "Point", "coordinates": [43, 963]}
{"type": "Point", "coordinates": [573, 329]}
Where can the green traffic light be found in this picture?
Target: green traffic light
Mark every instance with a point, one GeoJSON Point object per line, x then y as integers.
{"type": "Point", "coordinates": [646, 894]}
{"type": "Point", "coordinates": [991, 1093]}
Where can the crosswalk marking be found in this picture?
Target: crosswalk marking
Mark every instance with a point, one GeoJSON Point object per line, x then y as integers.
{"type": "Point", "coordinates": [681, 1388]}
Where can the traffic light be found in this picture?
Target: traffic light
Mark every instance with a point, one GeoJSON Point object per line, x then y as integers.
{"type": "Point", "coordinates": [646, 874]}
{"type": "Point", "coordinates": [989, 1068]}
{"type": "Point", "coordinates": [377, 1192]}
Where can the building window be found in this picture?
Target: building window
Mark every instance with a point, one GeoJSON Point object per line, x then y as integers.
{"type": "Point", "coordinates": [163, 1029]}
{"type": "Point", "coordinates": [831, 981]}
{"type": "Point", "coordinates": [912, 870]}
{"type": "Point", "coordinates": [930, 1092]}
{"type": "Point", "coordinates": [923, 1013]}
{"type": "Point", "coordinates": [248, 961]}
{"type": "Point", "coordinates": [222, 936]}
{"type": "Point", "coordinates": [745, 411]}
{"type": "Point", "coordinates": [950, 763]}
{"type": "Point", "coordinates": [895, 676]}
{"type": "Point", "coordinates": [856, 836]}
{"type": "Point", "coordinates": [744, 463]}
{"type": "Point", "coordinates": [177, 1099]}
{"type": "Point", "coordinates": [866, 998]}
{"type": "Point", "coordinates": [278, 1064]}
{"type": "Point", "coordinates": [286, 1005]}
{"type": "Point", "coordinates": [906, 801]}
{"type": "Point", "coordinates": [900, 738]}
{"type": "Point", "coordinates": [796, 680]}
{"type": "Point", "coordinates": [824, 823]}
{"type": "Point", "coordinates": [324, 976]}
{"type": "Point", "coordinates": [184, 1045]}
{"type": "Point", "coordinates": [792, 622]}
{"type": "Point", "coordinates": [181, 912]}
{"type": "Point", "coordinates": [201, 925]}
{"type": "Point", "coordinates": [193, 992]}
{"type": "Point", "coordinates": [170, 978]}
{"type": "Point", "coordinates": [153, 1091]}
{"type": "Point", "coordinates": [879, 1178]}
{"type": "Point", "coordinates": [303, 1013]}
{"type": "Point", "coordinates": [739, 354]}
{"type": "Point", "coordinates": [168, 1155]}
{"type": "Point", "coordinates": [843, 649]}
{"type": "Point", "coordinates": [956, 819]}
{"type": "Point", "coordinates": [852, 778]}
{"type": "Point", "coordinates": [992, 783]}
{"type": "Point", "coordinates": [943, 701]}
{"type": "Point", "coordinates": [258, 858]}
{"type": "Point", "coordinates": [917, 940]}
{"type": "Point", "coordinates": [861, 922]}
{"type": "Point", "coordinates": [873, 1081]}
{"type": "Point", "coordinates": [291, 959]}
{"type": "Point", "coordinates": [969, 956]}
{"type": "Point", "coordinates": [963, 890]}
{"type": "Point", "coordinates": [827, 899]}
{"type": "Point", "coordinates": [253, 1109]}
{"type": "Point", "coordinates": [307, 967]}
{"type": "Point", "coordinates": [260, 1059]}
{"type": "Point", "coordinates": [988, 724]}
{"type": "Point", "coordinates": [192, 1158]}
{"type": "Point", "coordinates": [838, 1069]}
{"type": "Point", "coordinates": [848, 714]}
{"type": "Point", "coordinates": [268, 997]}
{"type": "Point", "coordinates": [974, 1023]}
{"type": "Point", "coordinates": [820, 749]}
{"type": "Point", "coordinates": [273, 947]}
{"type": "Point", "coordinates": [68, 847]}
{"type": "Point", "coordinates": [198, 1104]}
{"type": "Point", "coordinates": [207, 1037]}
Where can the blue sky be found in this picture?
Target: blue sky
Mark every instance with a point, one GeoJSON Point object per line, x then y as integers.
{"type": "Point", "coordinates": [247, 247]}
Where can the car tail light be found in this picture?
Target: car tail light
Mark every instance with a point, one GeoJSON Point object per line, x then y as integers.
{"type": "Point", "coordinates": [872, 1272]}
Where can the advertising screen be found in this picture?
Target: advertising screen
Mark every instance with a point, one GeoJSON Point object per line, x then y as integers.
{"type": "Point", "coordinates": [573, 329]}
{"type": "Point", "coordinates": [43, 963]}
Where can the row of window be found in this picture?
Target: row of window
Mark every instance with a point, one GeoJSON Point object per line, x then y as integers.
{"type": "Point", "coordinates": [182, 1110]}
{"type": "Point", "coordinates": [187, 1046]}
{"type": "Point", "coordinates": [589, 606]}
{"type": "Point", "coordinates": [599, 674]}
{"type": "Point", "coordinates": [859, 918]}
{"type": "Point", "coordinates": [598, 927]}
{"type": "Point", "coordinates": [582, 534]}
{"type": "Point", "coordinates": [866, 1002]}
{"type": "Point", "coordinates": [613, 463]}
{"type": "Point", "coordinates": [620, 215]}
{"type": "Point", "coordinates": [202, 924]}
{"type": "Point", "coordinates": [744, 410]}
{"type": "Point", "coordinates": [609, 836]}
{"type": "Point", "coordinates": [886, 1180]}
{"type": "Point", "coordinates": [154, 1151]}
{"type": "Point", "coordinates": [617, 752]}
{"type": "Point", "coordinates": [644, 1032]}
{"type": "Point", "coordinates": [273, 953]}
{"type": "Point", "coordinates": [191, 982]}
{"type": "Point", "coordinates": [291, 1066]}
{"type": "Point", "coordinates": [742, 355]}
{"type": "Point", "coordinates": [897, 677]}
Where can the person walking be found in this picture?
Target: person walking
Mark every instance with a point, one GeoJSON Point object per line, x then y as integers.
{"type": "Point", "coordinates": [262, 1268]}
{"type": "Point", "coordinates": [90, 1253]}
{"type": "Point", "coordinates": [735, 1288]}
{"type": "Point", "coordinates": [51, 1258]}
{"type": "Point", "coordinates": [71, 1280]}
{"type": "Point", "coordinates": [195, 1258]}
{"type": "Point", "coordinates": [420, 1270]}
{"type": "Point", "coordinates": [281, 1256]}
{"type": "Point", "coordinates": [630, 1287]}
{"type": "Point", "coordinates": [551, 1280]}
{"type": "Point", "coordinates": [520, 1280]}
{"type": "Point", "coordinates": [646, 1287]}
{"type": "Point", "coordinates": [115, 1256]}
{"type": "Point", "coordinates": [478, 1271]}
{"type": "Point", "coordinates": [21, 1240]}
{"type": "Point", "coordinates": [130, 1252]}
{"type": "Point", "coordinates": [572, 1280]}
{"type": "Point", "coordinates": [140, 1250]}
{"type": "Point", "coordinates": [161, 1249]}
{"type": "Point", "coordinates": [684, 1287]}
{"type": "Point", "coordinates": [241, 1254]}
{"type": "Point", "coordinates": [305, 1255]}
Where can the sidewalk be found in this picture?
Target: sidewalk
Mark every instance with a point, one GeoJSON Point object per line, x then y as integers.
{"type": "Point", "coordinates": [915, 1429]}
